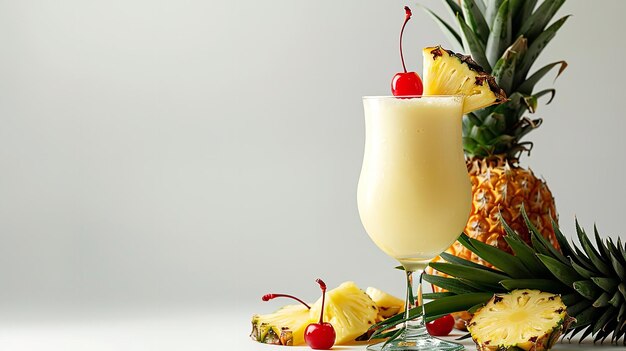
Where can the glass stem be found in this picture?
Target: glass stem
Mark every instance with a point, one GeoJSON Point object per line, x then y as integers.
{"type": "Point", "coordinates": [414, 327]}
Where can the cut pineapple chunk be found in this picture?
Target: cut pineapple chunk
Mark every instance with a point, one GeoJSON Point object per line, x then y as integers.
{"type": "Point", "coordinates": [449, 73]}
{"type": "Point", "coordinates": [349, 309]}
{"type": "Point", "coordinates": [388, 305]}
{"type": "Point", "coordinates": [283, 327]}
{"type": "Point", "coordinates": [520, 320]}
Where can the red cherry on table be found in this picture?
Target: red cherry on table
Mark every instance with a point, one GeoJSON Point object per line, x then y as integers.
{"type": "Point", "coordinates": [441, 326]}
{"type": "Point", "coordinates": [408, 83]}
{"type": "Point", "coordinates": [320, 336]}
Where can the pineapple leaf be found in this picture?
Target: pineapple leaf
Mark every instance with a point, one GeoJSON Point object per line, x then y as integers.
{"type": "Point", "coordinates": [602, 321]}
{"type": "Point", "coordinates": [587, 289]}
{"type": "Point", "coordinates": [437, 295]}
{"type": "Point", "coordinates": [616, 300]}
{"type": "Point", "coordinates": [475, 308]}
{"type": "Point", "coordinates": [602, 301]}
{"type": "Point", "coordinates": [602, 249]}
{"type": "Point", "coordinates": [537, 47]}
{"type": "Point", "coordinates": [576, 309]}
{"type": "Point", "coordinates": [454, 8]}
{"type": "Point", "coordinates": [492, 11]}
{"type": "Point", "coordinates": [504, 70]}
{"type": "Point", "coordinates": [500, 35]}
{"type": "Point", "coordinates": [496, 123]}
{"type": "Point", "coordinates": [562, 272]}
{"type": "Point", "coordinates": [551, 91]}
{"type": "Point", "coordinates": [563, 243]}
{"type": "Point", "coordinates": [481, 6]}
{"type": "Point", "coordinates": [585, 334]}
{"type": "Point", "coordinates": [475, 19]}
{"type": "Point", "coordinates": [585, 273]}
{"type": "Point", "coordinates": [581, 258]}
{"type": "Point", "coordinates": [463, 262]}
{"type": "Point", "coordinates": [482, 286]}
{"type": "Point", "coordinates": [469, 273]}
{"type": "Point", "coordinates": [618, 267]}
{"type": "Point", "coordinates": [606, 284]}
{"type": "Point", "coordinates": [538, 21]}
{"type": "Point", "coordinates": [504, 261]}
{"type": "Point", "coordinates": [529, 84]}
{"type": "Point", "coordinates": [451, 284]}
{"type": "Point", "coordinates": [523, 251]}
{"type": "Point", "coordinates": [539, 284]}
{"type": "Point", "coordinates": [540, 240]}
{"type": "Point", "coordinates": [448, 31]}
{"type": "Point", "coordinates": [473, 45]}
{"type": "Point", "coordinates": [591, 251]}
{"type": "Point", "coordinates": [572, 299]}
{"type": "Point", "coordinates": [393, 336]}
{"type": "Point", "coordinates": [526, 11]}
{"type": "Point", "coordinates": [456, 303]}
{"type": "Point", "coordinates": [622, 289]}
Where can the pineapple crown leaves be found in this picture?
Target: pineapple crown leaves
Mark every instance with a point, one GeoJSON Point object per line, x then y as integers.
{"type": "Point", "coordinates": [505, 37]}
{"type": "Point", "coordinates": [590, 277]}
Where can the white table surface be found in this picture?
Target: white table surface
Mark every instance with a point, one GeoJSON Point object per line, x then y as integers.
{"type": "Point", "coordinates": [199, 329]}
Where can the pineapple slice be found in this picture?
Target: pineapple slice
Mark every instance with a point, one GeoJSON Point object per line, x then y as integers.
{"type": "Point", "coordinates": [283, 327]}
{"type": "Point", "coordinates": [528, 320]}
{"type": "Point", "coordinates": [388, 305]}
{"type": "Point", "coordinates": [349, 309]}
{"type": "Point", "coordinates": [449, 73]}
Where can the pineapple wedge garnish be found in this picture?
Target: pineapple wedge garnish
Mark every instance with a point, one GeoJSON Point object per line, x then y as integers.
{"type": "Point", "coordinates": [349, 309]}
{"type": "Point", "coordinates": [449, 73]}
{"type": "Point", "coordinates": [528, 320]}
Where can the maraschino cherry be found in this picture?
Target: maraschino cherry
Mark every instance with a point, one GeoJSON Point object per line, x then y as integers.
{"type": "Point", "coordinates": [441, 326]}
{"type": "Point", "coordinates": [319, 336]}
{"type": "Point", "coordinates": [407, 83]}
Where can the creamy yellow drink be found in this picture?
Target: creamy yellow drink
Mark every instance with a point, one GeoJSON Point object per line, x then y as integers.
{"type": "Point", "coordinates": [414, 193]}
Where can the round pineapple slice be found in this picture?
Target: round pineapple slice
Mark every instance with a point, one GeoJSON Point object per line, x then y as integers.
{"type": "Point", "coordinates": [349, 309]}
{"type": "Point", "coordinates": [283, 327]}
{"type": "Point", "coordinates": [388, 305]}
{"type": "Point", "coordinates": [449, 73]}
{"type": "Point", "coordinates": [522, 319]}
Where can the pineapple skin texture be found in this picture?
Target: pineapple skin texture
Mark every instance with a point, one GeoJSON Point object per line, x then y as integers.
{"type": "Point", "coordinates": [502, 188]}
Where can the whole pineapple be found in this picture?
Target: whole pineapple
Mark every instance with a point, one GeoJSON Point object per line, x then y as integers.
{"type": "Point", "coordinates": [504, 37]}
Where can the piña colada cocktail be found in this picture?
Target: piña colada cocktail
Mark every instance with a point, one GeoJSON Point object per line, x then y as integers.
{"type": "Point", "coordinates": [414, 193]}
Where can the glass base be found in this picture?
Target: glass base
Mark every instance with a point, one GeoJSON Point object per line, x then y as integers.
{"type": "Point", "coordinates": [422, 343]}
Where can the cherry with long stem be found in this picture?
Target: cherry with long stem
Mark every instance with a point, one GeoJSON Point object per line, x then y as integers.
{"type": "Point", "coordinates": [406, 83]}
{"type": "Point", "coordinates": [319, 336]}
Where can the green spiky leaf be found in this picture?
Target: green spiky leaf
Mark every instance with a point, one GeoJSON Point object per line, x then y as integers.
{"type": "Point", "coordinates": [475, 19]}
{"type": "Point", "coordinates": [500, 35]}
{"type": "Point", "coordinates": [473, 45]}
{"type": "Point", "coordinates": [538, 21]}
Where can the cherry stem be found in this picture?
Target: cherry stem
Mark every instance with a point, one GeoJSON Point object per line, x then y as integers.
{"type": "Point", "coordinates": [268, 297]}
{"type": "Point", "coordinates": [323, 287]}
{"type": "Point", "coordinates": [407, 17]}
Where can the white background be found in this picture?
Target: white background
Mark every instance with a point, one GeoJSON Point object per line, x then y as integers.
{"type": "Point", "coordinates": [157, 155]}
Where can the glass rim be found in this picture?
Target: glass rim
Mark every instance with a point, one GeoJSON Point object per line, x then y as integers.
{"type": "Point", "coordinates": [411, 96]}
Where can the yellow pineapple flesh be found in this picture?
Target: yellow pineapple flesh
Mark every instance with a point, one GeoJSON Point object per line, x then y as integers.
{"type": "Point", "coordinates": [528, 320]}
{"type": "Point", "coordinates": [349, 309]}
